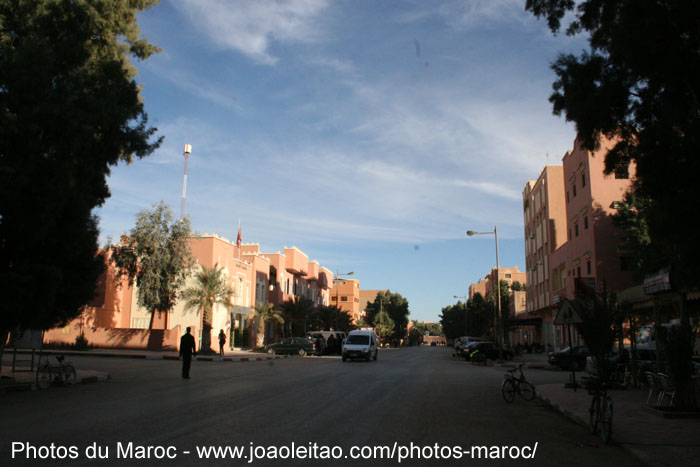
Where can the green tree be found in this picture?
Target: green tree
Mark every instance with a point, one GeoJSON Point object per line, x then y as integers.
{"type": "Point", "coordinates": [415, 336]}
{"type": "Point", "coordinates": [639, 85]}
{"type": "Point", "coordinates": [69, 110]}
{"type": "Point", "coordinates": [296, 313]}
{"type": "Point", "coordinates": [330, 317]}
{"type": "Point", "coordinates": [395, 306]}
{"type": "Point", "coordinates": [454, 320]}
{"type": "Point", "coordinates": [156, 254]}
{"type": "Point", "coordinates": [385, 326]}
{"type": "Point", "coordinates": [265, 312]}
{"type": "Point", "coordinates": [210, 289]}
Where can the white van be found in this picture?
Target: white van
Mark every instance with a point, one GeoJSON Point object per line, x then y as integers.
{"type": "Point", "coordinates": [360, 344]}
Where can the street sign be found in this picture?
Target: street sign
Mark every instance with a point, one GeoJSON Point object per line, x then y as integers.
{"type": "Point", "coordinates": [568, 314]}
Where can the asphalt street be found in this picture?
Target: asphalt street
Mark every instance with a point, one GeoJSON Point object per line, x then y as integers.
{"type": "Point", "coordinates": [416, 401]}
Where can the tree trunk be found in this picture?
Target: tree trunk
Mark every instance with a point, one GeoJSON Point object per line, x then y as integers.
{"type": "Point", "coordinates": [260, 334]}
{"type": "Point", "coordinates": [206, 331]}
{"type": "Point", "coordinates": [3, 338]}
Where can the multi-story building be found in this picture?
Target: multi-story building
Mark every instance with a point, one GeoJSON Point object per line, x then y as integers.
{"type": "Point", "coordinates": [487, 286]}
{"type": "Point", "coordinates": [544, 212]}
{"type": "Point", "coordinates": [116, 320]}
{"type": "Point", "coordinates": [590, 252]}
{"type": "Point", "coordinates": [345, 294]}
{"type": "Point", "coordinates": [367, 297]}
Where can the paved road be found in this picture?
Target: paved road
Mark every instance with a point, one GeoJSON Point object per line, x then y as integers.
{"type": "Point", "coordinates": [414, 395]}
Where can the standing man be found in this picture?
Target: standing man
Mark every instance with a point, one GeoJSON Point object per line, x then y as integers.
{"type": "Point", "coordinates": [187, 350]}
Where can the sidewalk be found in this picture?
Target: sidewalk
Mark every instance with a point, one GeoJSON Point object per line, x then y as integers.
{"type": "Point", "coordinates": [653, 439]}
{"type": "Point", "coordinates": [26, 380]}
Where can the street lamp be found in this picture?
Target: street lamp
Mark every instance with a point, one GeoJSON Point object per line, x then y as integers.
{"type": "Point", "coordinates": [471, 233]}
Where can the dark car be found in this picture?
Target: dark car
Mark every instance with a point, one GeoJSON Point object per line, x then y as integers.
{"type": "Point", "coordinates": [489, 349]}
{"type": "Point", "coordinates": [566, 359]}
{"type": "Point", "coordinates": [293, 345]}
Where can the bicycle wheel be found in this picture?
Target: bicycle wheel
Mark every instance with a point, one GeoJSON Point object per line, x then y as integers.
{"type": "Point", "coordinates": [606, 419]}
{"type": "Point", "coordinates": [527, 390]}
{"type": "Point", "coordinates": [44, 377]}
{"type": "Point", "coordinates": [594, 415]}
{"type": "Point", "coordinates": [68, 375]}
{"type": "Point", "coordinates": [508, 390]}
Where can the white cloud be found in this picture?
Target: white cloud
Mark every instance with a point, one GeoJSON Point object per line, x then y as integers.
{"type": "Point", "coordinates": [462, 14]}
{"type": "Point", "coordinates": [249, 27]}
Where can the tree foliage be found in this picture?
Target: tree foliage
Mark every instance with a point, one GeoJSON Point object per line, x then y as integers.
{"type": "Point", "coordinates": [396, 307]}
{"type": "Point", "coordinates": [69, 110]}
{"type": "Point", "coordinates": [385, 326]}
{"type": "Point", "coordinates": [265, 312]}
{"type": "Point", "coordinates": [211, 288]}
{"type": "Point", "coordinates": [296, 312]}
{"type": "Point", "coordinates": [639, 84]}
{"type": "Point", "coordinates": [326, 318]}
{"type": "Point", "coordinates": [474, 318]}
{"type": "Point", "coordinates": [156, 254]}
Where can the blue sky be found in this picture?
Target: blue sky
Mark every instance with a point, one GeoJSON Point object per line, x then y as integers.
{"type": "Point", "coordinates": [369, 134]}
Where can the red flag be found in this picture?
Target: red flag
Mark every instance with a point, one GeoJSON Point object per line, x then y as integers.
{"type": "Point", "coordinates": [238, 240]}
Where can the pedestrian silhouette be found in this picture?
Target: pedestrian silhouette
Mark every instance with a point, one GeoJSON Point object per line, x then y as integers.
{"type": "Point", "coordinates": [187, 350]}
{"type": "Point", "coordinates": [222, 341]}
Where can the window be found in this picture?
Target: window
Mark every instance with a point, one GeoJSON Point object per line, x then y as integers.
{"type": "Point", "coordinates": [578, 271]}
{"type": "Point", "coordinates": [583, 180]}
{"type": "Point", "coordinates": [585, 222]}
{"type": "Point", "coordinates": [576, 229]}
{"type": "Point", "coordinates": [567, 196]}
{"type": "Point", "coordinates": [343, 299]}
{"type": "Point", "coordinates": [508, 276]}
{"type": "Point", "coordinates": [574, 189]}
{"type": "Point", "coordinates": [588, 268]}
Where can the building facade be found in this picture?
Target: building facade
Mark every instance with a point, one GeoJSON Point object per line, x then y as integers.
{"type": "Point", "coordinates": [114, 318]}
{"type": "Point", "coordinates": [577, 246]}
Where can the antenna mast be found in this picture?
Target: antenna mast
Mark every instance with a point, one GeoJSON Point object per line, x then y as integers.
{"type": "Point", "coordinates": [187, 151]}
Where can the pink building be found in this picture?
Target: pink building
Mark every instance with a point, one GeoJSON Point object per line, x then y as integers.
{"type": "Point", "coordinates": [580, 247]}
{"type": "Point", "coordinates": [114, 318]}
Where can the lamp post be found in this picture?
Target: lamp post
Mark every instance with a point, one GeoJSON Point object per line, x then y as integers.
{"type": "Point", "coordinates": [471, 233]}
{"type": "Point", "coordinates": [466, 314]}
{"type": "Point", "coordinates": [337, 286]}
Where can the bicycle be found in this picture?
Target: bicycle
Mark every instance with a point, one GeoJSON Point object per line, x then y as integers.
{"type": "Point", "coordinates": [63, 373]}
{"type": "Point", "coordinates": [601, 411]}
{"type": "Point", "coordinates": [516, 384]}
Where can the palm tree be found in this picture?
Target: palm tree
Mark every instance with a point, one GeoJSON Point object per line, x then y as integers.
{"type": "Point", "coordinates": [265, 311]}
{"type": "Point", "coordinates": [297, 311]}
{"type": "Point", "coordinates": [210, 289]}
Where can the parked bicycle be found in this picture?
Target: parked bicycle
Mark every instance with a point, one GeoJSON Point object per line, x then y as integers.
{"type": "Point", "coordinates": [63, 373]}
{"type": "Point", "coordinates": [513, 384]}
{"type": "Point", "coordinates": [601, 410]}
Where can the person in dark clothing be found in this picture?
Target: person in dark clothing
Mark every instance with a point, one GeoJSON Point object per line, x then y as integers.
{"type": "Point", "coordinates": [222, 341]}
{"type": "Point", "coordinates": [187, 351]}
{"type": "Point", "coordinates": [331, 344]}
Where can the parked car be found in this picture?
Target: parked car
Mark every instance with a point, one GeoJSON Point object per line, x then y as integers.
{"type": "Point", "coordinates": [489, 349]}
{"type": "Point", "coordinates": [462, 343]}
{"type": "Point", "coordinates": [567, 359]}
{"type": "Point", "coordinates": [294, 345]}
